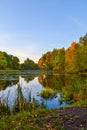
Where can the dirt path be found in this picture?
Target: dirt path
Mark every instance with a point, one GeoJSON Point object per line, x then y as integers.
{"type": "Point", "coordinates": [74, 118]}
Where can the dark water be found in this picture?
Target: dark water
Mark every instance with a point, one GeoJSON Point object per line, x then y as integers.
{"type": "Point", "coordinates": [69, 88]}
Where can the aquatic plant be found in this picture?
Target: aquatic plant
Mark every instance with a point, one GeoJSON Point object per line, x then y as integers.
{"type": "Point", "coordinates": [48, 93]}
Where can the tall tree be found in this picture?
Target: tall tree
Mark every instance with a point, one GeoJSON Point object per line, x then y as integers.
{"type": "Point", "coordinates": [58, 59]}
{"type": "Point", "coordinates": [29, 64]}
{"type": "Point", "coordinates": [15, 61]}
{"type": "Point", "coordinates": [3, 62]}
{"type": "Point", "coordinates": [71, 61]}
{"type": "Point", "coordinates": [82, 54]}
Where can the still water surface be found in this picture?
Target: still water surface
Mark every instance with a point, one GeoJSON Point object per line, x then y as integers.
{"type": "Point", "coordinates": [70, 88]}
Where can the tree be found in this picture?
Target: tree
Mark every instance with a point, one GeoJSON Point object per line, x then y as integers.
{"type": "Point", "coordinates": [3, 62]}
{"type": "Point", "coordinates": [41, 63]}
{"type": "Point", "coordinates": [54, 60]}
{"type": "Point", "coordinates": [58, 59]}
{"type": "Point", "coordinates": [9, 60]}
{"type": "Point", "coordinates": [29, 64]}
{"type": "Point", "coordinates": [15, 62]}
{"type": "Point", "coordinates": [82, 54]}
{"type": "Point", "coordinates": [71, 60]}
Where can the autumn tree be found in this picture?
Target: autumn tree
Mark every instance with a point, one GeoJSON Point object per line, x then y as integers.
{"type": "Point", "coordinates": [71, 61]}
{"type": "Point", "coordinates": [45, 61]}
{"type": "Point", "coordinates": [41, 63]}
{"type": "Point", "coordinates": [54, 60]}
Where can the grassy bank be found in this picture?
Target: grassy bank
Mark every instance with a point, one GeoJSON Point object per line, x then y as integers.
{"type": "Point", "coordinates": [25, 72]}
{"type": "Point", "coordinates": [74, 117]}
{"type": "Point", "coordinates": [6, 72]}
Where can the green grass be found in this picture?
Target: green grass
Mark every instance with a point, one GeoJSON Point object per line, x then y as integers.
{"type": "Point", "coordinates": [81, 103]}
{"type": "Point", "coordinates": [36, 119]}
{"type": "Point", "coordinates": [7, 72]}
{"type": "Point", "coordinates": [48, 93]}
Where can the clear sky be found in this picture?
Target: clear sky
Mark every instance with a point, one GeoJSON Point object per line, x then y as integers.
{"type": "Point", "coordinates": [29, 28]}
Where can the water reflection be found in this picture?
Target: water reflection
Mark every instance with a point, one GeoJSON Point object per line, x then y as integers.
{"type": "Point", "coordinates": [27, 78]}
{"type": "Point", "coordinates": [9, 80]}
{"type": "Point", "coordinates": [69, 88]}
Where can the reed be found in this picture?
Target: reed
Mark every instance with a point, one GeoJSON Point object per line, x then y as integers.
{"type": "Point", "coordinates": [48, 93]}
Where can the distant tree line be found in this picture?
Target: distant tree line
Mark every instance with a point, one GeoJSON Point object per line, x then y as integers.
{"type": "Point", "coordinates": [28, 64]}
{"type": "Point", "coordinates": [73, 59]}
{"type": "Point", "coordinates": [11, 62]}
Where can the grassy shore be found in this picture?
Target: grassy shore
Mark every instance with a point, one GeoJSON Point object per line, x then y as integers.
{"type": "Point", "coordinates": [69, 118]}
{"type": "Point", "coordinates": [25, 72]}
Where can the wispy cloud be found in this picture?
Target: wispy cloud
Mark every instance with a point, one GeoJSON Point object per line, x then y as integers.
{"type": "Point", "coordinates": [77, 21]}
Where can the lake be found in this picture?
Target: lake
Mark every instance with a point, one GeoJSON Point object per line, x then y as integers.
{"type": "Point", "coordinates": [68, 88]}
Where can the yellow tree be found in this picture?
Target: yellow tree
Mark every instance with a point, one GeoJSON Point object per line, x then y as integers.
{"type": "Point", "coordinates": [71, 64]}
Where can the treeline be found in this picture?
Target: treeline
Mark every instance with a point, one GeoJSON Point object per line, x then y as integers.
{"type": "Point", "coordinates": [74, 59]}
{"type": "Point", "coordinates": [10, 62]}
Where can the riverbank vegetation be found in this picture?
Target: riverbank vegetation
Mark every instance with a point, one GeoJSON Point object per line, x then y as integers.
{"type": "Point", "coordinates": [48, 93]}
{"type": "Point", "coordinates": [29, 115]}
{"type": "Point", "coordinates": [43, 119]}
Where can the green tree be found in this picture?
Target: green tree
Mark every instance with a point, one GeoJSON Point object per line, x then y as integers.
{"type": "Point", "coordinates": [3, 62]}
{"type": "Point", "coordinates": [9, 60]}
{"type": "Point", "coordinates": [82, 54]}
{"type": "Point", "coordinates": [15, 62]}
{"type": "Point", "coordinates": [58, 59]}
{"type": "Point", "coordinates": [29, 64]}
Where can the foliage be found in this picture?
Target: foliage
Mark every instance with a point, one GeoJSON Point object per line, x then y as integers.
{"type": "Point", "coordinates": [73, 59]}
{"type": "Point", "coordinates": [10, 62]}
{"type": "Point", "coordinates": [48, 93]}
{"type": "Point", "coordinates": [54, 60]}
{"type": "Point", "coordinates": [82, 54]}
{"type": "Point", "coordinates": [29, 64]}
{"type": "Point", "coordinates": [43, 119]}
{"type": "Point", "coordinates": [71, 63]}
{"type": "Point", "coordinates": [3, 62]}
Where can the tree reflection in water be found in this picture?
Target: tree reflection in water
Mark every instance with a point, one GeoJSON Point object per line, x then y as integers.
{"type": "Point", "coordinates": [60, 89]}
{"type": "Point", "coordinates": [72, 87]}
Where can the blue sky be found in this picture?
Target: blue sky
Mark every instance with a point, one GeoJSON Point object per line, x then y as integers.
{"type": "Point", "coordinates": [30, 28]}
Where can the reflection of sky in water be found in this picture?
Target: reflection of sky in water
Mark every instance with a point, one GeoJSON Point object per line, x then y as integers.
{"type": "Point", "coordinates": [9, 95]}
{"type": "Point", "coordinates": [54, 103]}
{"type": "Point", "coordinates": [33, 86]}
